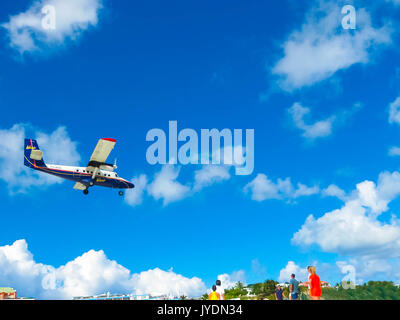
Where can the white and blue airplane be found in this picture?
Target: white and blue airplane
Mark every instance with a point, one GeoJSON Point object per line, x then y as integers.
{"type": "Point", "coordinates": [96, 173]}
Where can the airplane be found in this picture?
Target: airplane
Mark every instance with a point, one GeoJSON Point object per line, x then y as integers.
{"type": "Point", "coordinates": [96, 173]}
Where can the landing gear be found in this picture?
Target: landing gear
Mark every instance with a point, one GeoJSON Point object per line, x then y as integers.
{"type": "Point", "coordinates": [86, 191]}
{"type": "Point", "coordinates": [121, 193]}
{"type": "Point", "coordinates": [91, 183]}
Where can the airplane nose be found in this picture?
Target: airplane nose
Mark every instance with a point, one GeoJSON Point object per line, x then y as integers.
{"type": "Point", "coordinates": [131, 185]}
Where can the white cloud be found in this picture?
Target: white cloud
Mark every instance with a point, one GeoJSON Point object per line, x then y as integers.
{"type": "Point", "coordinates": [73, 17]}
{"type": "Point", "coordinates": [262, 188]}
{"type": "Point", "coordinates": [322, 47]}
{"type": "Point", "coordinates": [230, 280]}
{"type": "Point", "coordinates": [394, 151]}
{"type": "Point", "coordinates": [354, 228]}
{"type": "Point", "coordinates": [89, 274]}
{"type": "Point", "coordinates": [165, 186]}
{"type": "Point", "coordinates": [292, 268]}
{"type": "Point", "coordinates": [334, 191]}
{"type": "Point", "coordinates": [56, 146]}
{"type": "Point", "coordinates": [302, 190]}
{"type": "Point", "coordinates": [159, 282]}
{"type": "Point", "coordinates": [321, 128]}
{"type": "Point", "coordinates": [210, 174]}
{"type": "Point", "coordinates": [394, 111]}
{"type": "Point", "coordinates": [318, 129]}
{"type": "Point", "coordinates": [364, 269]}
{"type": "Point", "coordinates": [135, 196]}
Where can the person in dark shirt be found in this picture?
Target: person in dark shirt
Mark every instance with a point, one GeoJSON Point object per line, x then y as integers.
{"type": "Point", "coordinates": [279, 293]}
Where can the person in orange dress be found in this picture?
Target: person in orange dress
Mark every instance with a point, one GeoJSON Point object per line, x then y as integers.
{"type": "Point", "coordinates": [314, 284]}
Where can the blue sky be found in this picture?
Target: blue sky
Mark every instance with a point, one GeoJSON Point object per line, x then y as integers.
{"type": "Point", "coordinates": [318, 97]}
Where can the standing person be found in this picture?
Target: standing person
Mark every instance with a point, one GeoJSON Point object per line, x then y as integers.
{"type": "Point", "coordinates": [214, 295]}
{"type": "Point", "coordinates": [220, 291]}
{"type": "Point", "coordinates": [293, 287]}
{"type": "Point", "coordinates": [279, 293]}
{"type": "Point", "coordinates": [314, 284]}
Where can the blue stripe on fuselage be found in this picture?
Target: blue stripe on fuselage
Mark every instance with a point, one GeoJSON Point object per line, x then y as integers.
{"type": "Point", "coordinates": [85, 178]}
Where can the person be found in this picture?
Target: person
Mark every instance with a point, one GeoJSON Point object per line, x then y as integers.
{"type": "Point", "coordinates": [293, 287]}
{"type": "Point", "coordinates": [314, 284]}
{"type": "Point", "coordinates": [279, 293]}
{"type": "Point", "coordinates": [214, 295]}
{"type": "Point", "coordinates": [220, 291]}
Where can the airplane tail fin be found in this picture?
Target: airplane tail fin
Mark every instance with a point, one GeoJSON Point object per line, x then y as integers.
{"type": "Point", "coordinates": [33, 156]}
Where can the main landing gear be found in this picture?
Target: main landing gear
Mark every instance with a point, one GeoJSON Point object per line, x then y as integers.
{"type": "Point", "coordinates": [86, 192]}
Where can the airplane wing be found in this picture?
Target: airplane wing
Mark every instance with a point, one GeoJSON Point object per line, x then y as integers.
{"type": "Point", "coordinates": [101, 152]}
{"type": "Point", "coordinates": [79, 186]}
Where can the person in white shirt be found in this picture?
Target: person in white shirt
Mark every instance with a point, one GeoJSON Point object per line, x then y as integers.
{"type": "Point", "coordinates": [220, 290]}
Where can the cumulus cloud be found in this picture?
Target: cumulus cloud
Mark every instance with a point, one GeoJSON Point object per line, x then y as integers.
{"type": "Point", "coordinates": [230, 280]}
{"type": "Point", "coordinates": [334, 191]}
{"type": "Point", "coordinates": [28, 33]}
{"type": "Point", "coordinates": [354, 228]}
{"type": "Point", "coordinates": [89, 274]}
{"type": "Point", "coordinates": [361, 269]}
{"type": "Point", "coordinates": [262, 188]}
{"type": "Point", "coordinates": [292, 268]}
{"type": "Point", "coordinates": [394, 111]}
{"type": "Point", "coordinates": [210, 174]}
{"type": "Point", "coordinates": [159, 282]}
{"type": "Point", "coordinates": [57, 147]}
{"type": "Point", "coordinates": [318, 129]}
{"type": "Point", "coordinates": [165, 186]}
{"type": "Point", "coordinates": [135, 196]}
{"type": "Point", "coordinates": [322, 47]}
{"type": "Point", "coordinates": [321, 128]}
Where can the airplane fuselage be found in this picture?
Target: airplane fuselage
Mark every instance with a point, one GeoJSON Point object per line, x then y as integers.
{"type": "Point", "coordinates": [81, 174]}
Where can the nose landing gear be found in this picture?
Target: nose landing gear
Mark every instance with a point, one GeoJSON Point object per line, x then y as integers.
{"type": "Point", "coordinates": [121, 193]}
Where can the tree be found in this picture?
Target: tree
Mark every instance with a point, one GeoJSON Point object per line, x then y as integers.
{"type": "Point", "coordinates": [236, 292]}
{"type": "Point", "coordinates": [269, 287]}
{"type": "Point", "coordinates": [204, 297]}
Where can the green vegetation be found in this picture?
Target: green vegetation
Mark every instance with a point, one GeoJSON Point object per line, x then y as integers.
{"type": "Point", "coordinates": [264, 290]}
{"type": "Point", "coordinates": [373, 290]}
{"type": "Point", "coordinates": [237, 291]}
{"type": "Point", "coordinates": [204, 297]}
